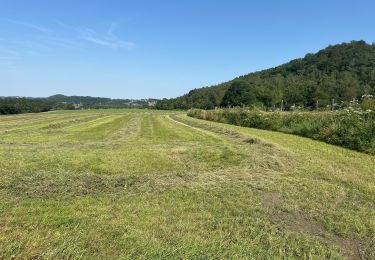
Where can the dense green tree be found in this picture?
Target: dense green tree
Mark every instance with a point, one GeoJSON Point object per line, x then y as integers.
{"type": "Point", "coordinates": [23, 105]}
{"type": "Point", "coordinates": [340, 72]}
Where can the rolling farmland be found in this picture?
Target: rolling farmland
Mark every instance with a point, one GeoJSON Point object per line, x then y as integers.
{"type": "Point", "coordinates": [150, 184]}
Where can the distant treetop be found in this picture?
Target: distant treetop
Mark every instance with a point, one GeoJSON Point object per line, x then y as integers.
{"type": "Point", "coordinates": [339, 72]}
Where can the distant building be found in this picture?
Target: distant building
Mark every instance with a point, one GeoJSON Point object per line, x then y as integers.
{"type": "Point", "coordinates": [77, 106]}
{"type": "Point", "coordinates": [152, 103]}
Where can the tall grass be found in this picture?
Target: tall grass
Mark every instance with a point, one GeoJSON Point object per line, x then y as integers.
{"type": "Point", "coordinates": [348, 128]}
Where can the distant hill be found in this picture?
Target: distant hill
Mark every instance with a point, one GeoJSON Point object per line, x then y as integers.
{"type": "Point", "coordinates": [340, 73]}
{"type": "Point", "coordinates": [100, 102]}
{"type": "Point", "coordinates": [18, 105]}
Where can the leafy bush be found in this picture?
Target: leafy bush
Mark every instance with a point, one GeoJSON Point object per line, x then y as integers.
{"type": "Point", "coordinates": [23, 105]}
{"type": "Point", "coordinates": [348, 128]}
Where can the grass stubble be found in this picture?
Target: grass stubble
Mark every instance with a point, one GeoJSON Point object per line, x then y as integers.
{"type": "Point", "coordinates": [149, 184]}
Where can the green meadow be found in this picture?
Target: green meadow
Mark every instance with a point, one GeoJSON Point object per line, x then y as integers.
{"type": "Point", "coordinates": [130, 184]}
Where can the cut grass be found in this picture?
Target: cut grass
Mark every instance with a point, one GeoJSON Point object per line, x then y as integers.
{"type": "Point", "coordinates": [144, 184]}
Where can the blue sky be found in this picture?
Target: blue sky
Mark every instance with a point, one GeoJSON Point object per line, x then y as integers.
{"type": "Point", "coordinates": [140, 49]}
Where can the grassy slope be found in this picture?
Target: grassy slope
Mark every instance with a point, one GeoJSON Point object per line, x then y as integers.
{"type": "Point", "coordinates": [115, 184]}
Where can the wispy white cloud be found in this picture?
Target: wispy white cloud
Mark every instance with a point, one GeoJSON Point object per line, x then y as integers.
{"type": "Point", "coordinates": [42, 44]}
{"type": "Point", "coordinates": [67, 37]}
{"type": "Point", "coordinates": [61, 42]}
{"type": "Point", "coordinates": [33, 45]}
{"type": "Point", "coordinates": [107, 42]}
{"type": "Point", "coordinates": [10, 53]}
{"type": "Point", "coordinates": [108, 39]}
{"type": "Point", "coordinates": [29, 25]}
{"type": "Point", "coordinates": [112, 28]}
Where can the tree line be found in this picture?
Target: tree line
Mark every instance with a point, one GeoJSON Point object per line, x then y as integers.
{"type": "Point", "coordinates": [23, 105]}
{"type": "Point", "coordinates": [333, 76]}
{"type": "Point", "coordinates": [15, 105]}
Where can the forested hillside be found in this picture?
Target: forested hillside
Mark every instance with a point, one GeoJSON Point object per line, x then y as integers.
{"type": "Point", "coordinates": [335, 74]}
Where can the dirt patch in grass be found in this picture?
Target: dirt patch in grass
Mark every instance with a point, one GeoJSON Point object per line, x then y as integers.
{"type": "Point", "coordinates": [350, 248]}
{"type": "Point", "coordinates": [271, 199]}
{"type": "Point", "coordinates": [298, 223]}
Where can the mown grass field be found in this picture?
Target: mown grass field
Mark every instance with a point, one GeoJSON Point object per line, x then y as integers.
{"type": "Point", "coordinates": [349, 128]}
{"type": "Point", "coordinates": [126, 184]}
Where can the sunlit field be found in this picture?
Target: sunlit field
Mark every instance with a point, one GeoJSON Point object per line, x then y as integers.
{"type": "Point", "coordinates": [149, 184]}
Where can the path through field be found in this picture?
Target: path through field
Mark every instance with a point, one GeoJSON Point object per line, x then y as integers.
{"type": "Point", "coordinates": [109, 184]}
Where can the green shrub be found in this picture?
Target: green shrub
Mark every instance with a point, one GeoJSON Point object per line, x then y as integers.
{"type": "Point", "coordinates": [348, 128]}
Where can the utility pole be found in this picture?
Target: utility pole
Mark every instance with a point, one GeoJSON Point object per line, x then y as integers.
{"type": "Point", "coordinates": [333, 104]}
{"type": "Point", "coordinates": [282, 105]}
